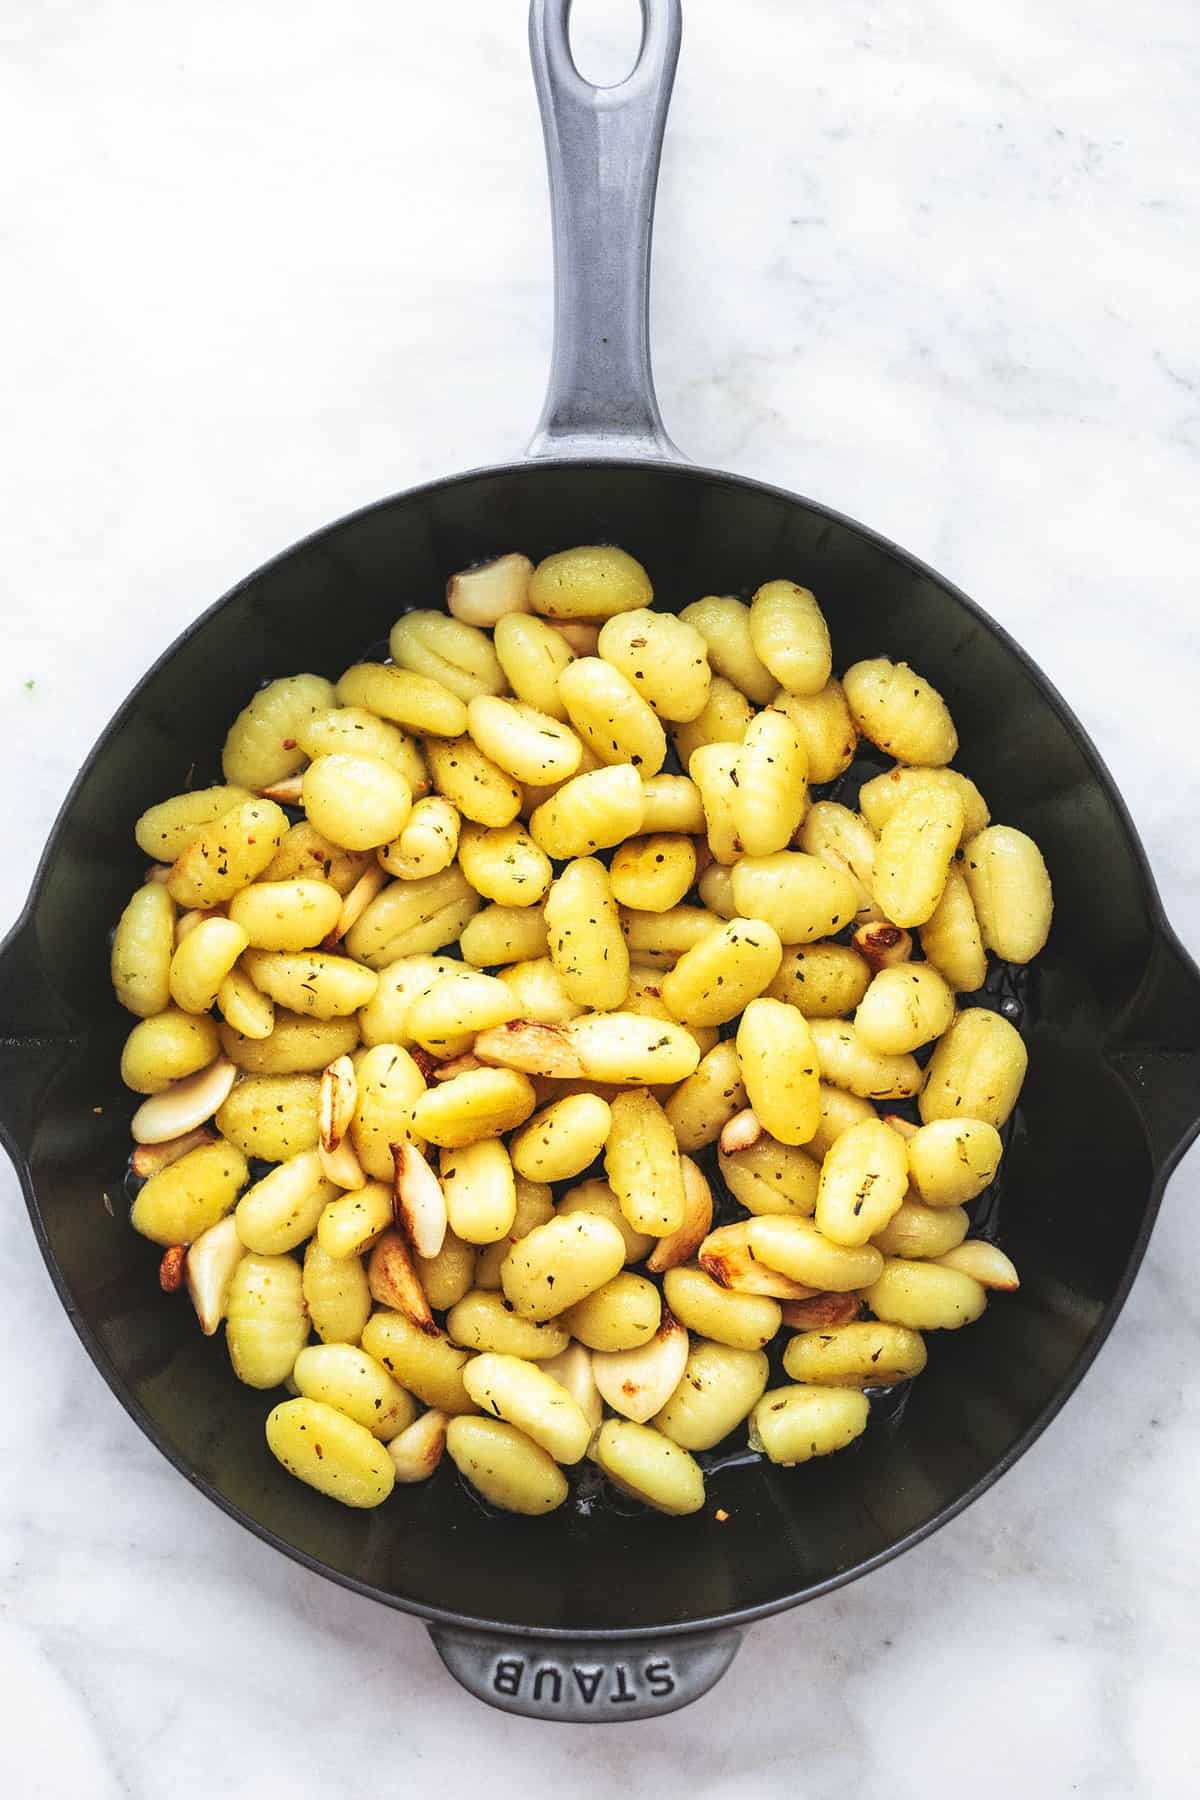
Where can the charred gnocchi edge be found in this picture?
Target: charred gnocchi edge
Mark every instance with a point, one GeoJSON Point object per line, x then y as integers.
{"type": "Point", "coordinates": [477, 966]}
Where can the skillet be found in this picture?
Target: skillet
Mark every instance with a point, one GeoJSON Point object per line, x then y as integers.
{"type": "Point", "coordinates": [601, 1611]}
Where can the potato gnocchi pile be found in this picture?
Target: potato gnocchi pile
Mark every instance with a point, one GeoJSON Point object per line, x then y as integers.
{"type": "Point", "coordinates": [436, 1061]}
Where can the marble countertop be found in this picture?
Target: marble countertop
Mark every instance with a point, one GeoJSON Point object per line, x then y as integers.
{"type": "Point", "coordinates": [934, 265]}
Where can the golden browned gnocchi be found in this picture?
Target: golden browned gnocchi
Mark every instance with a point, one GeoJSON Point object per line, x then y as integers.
{"type": "Point", "coordinates": [413, 918]}
{"type": "Point", "coordinates": [951, 938]}
{"type": "Point", "coordinates": [353, 731]}
{"type": "Point", "coordinates": [724, 719]}
{"type": "Point", "coordinates": [263, 743]}
{"type": "Point", "coordinates": [664, 658]}
{"type": "Point", "coordinates": [286, 915]}
{"type": "Point", "coordinates": [801, 896]}
{"type": "Point", "coordinates": [900, 711]}
{"type": "Point", "coordinates": [331, 1452]}
{"type": "Point", "coordinates": [829, 733]}
{"type": "Point", "coordinates": [771, 791]}
{"type": "Point", "coordinates": [821, 980]}
{"type": "Point", "coordinates": [297, 1044]}
{"type": "Point", "coordinates": [163, 832]}
{"type": "Point", "coordinates": [716, 980]}
{"type": "Point", "coordinates": [448, 650]}
{"type": "Point", "coordinates": [533, 655]}
{"type": "Point", "coordinates": [724, 623]}
{"type": "Point", "coordinates": [904, 1007]}
{"type": "Point", "coordinates": [845, 841]}
{"type": "Point", "coordinates": [1010, 887]}
{"type": "Point", "coordinates": [142, 951]}
{"type": "Point", "coordinates": [766, 1176]}
{"type": "Point", "coordinates": [589, 1041]}
{"type": "Point", "coordinates": [652, 874]}
{"type": "Point", "coordinates": [228, 854]}
{"type": "Point", "coordinates": [590, 812]}
{"type": "Point", "coordinates": [593, 581]}
{"type": "Point", "coordinates": [790, 636]}
{"type": "Point", "coordinates": [587, 945]}
{"type": "Point", "coordinates": [611, 717]}
{"type": "Point", "coordinates": [427, 843]}
{"type": "Point", "coordinates": [530, 745]}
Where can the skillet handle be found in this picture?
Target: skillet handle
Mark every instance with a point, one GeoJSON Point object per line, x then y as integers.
{"type": "Point", "coordinates": [602, 152]}
{"type": "Point", "coordinates": [35, 1035]}
{"type": "Point", "coordinates": [581, 1683]}
{"type": "Point", "coordinates": [1155, 1048]}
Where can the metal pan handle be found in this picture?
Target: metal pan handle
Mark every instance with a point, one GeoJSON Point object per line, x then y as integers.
{"type": "Point", "coordinates": [36, 1036]}
{"type": "Point", "coordinates": [602, 152]}
{"type": "Point", "coordinates": [1156, 1050]}
{"type": "Point", "coordinates": [580, 1683]}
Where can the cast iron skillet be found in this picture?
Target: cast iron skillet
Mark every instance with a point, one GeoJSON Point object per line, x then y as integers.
{"type": "Point", "coordinates": [605, 1612]}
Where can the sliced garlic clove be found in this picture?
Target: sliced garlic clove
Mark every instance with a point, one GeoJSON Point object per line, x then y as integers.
{"type": "Point", "coordinates": [425, 1061]}
{"type": "Point", "coordinates": [284, 793]}
{"type": "Point", "coordinates": [417, 1451]}
{"type": "Point", "coordinates": [148, 1159]}
{"type": "Point", "coordinates": [184, 1105]}
{"type": "Point", "coordinates": [638, 1383]}
{"type": "Point", "coordinates": [727, 1258]}
{"type": "Point", "coordinates": [580, 635]}
{"type": "Point", "coordinates": [882, 945]}
{"type": "Point", "coordinates": [534, 1049]}
{"type": "Point", "coordinates": [682, 1245]}
{"type": "Point", "coordinates": [458, 1065]}
{"type": "Point", "coordinates": [342, 1166]}
{"type": "Point", "coordinates": [170, 1269]}
{"type": "Point", "coordinates": [572, 1369]}
{"type": "Point", "coordinates": [741, 1132]}
{"type": "Point", "coordinates": [821, 1312]}
{"type": "Point", "coordinates": [394, 1281]}
{"type": "Point", "coordinates": [905, 1127]}
{"type": "Point", "coordinates": [336, 1101]}
{"type": "Point", "coordinates": [356, 902]}
{"type": "Point", "coordinates": [420, 1201]}
{"type": "Point", "coordinates": [988, 1264]}
{"type": "Point", "coordinates": [209, 1268]}
{"type": "Point", "coordinates": [486, 593]}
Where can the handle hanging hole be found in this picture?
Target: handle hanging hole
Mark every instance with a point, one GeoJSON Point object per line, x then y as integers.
{"type": "Point", "coordinates": [606, 40]}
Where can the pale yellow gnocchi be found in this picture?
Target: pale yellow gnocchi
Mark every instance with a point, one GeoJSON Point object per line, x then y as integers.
{"type": "Point", "coordinates": [567, 1039]}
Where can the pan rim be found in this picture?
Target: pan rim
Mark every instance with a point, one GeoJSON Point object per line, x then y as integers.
{"type": "Point", "coordinates": [736, 1617]}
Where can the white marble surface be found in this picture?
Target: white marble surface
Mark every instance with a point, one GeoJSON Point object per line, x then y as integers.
{"type": "Point", "coordinates": [933, 264]}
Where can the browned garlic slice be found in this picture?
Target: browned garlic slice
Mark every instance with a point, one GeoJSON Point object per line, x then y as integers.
{"type": "Point", "coordinates": [882, 945]}
{"type": "Point", "coordinates": [727, 1258]}
{"type": "Point", "coordinates": [741, 1132]}
{"type": "Point", "coordinates": [417, 1451]}
{"type": "Point", "coordinates": [148, 1159]}
{"type": "Point", "coordinates": [484, 594]}
{"type": "Point", "coordinates": [681, 1245]}
{"type": "Point", "coordinates": [356, 902]}
{"type": "Point", "coordinates": [184, 1105]}
{"type": "Point", "coordinates": [336, 1101]}
{"type": "Point", "coordinates": [638, 1383]}
{"type": "Point", "coordinates": [986, 1262]}
{"type": "Point", "coordinates": [394, 1281]}
{"type": "Point", "coordinates": [420, 1201]}
{"type": "Point", "coordinates": [209, 1268]}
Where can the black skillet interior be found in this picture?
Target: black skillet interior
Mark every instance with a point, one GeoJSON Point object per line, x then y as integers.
{"type": "Point", "coordinates": [1080, 1181]}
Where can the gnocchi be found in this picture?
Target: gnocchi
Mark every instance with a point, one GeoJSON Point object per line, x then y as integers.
{"type": "Point", "coordinates": [578, 1036]}
{"type": "Point", "coordinates": [663, 657]}
{"type": "Point", "coordinates": [143, 951]}
{"type": "Point", "coordinates": [790, 637]}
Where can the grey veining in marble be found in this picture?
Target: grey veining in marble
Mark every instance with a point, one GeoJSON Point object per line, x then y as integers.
{"type": "Point", "coordinates": [933, 264]}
